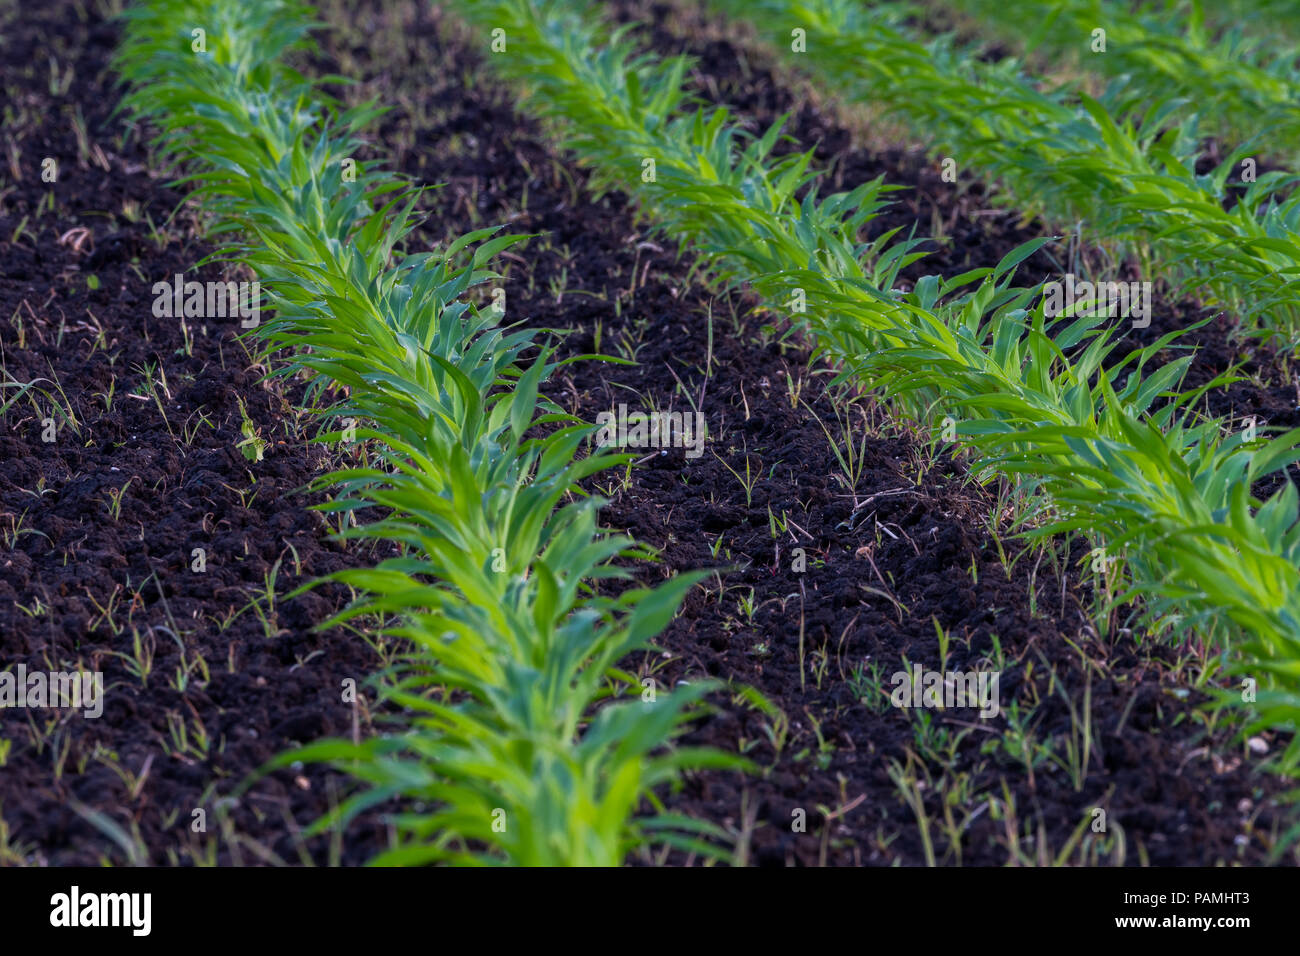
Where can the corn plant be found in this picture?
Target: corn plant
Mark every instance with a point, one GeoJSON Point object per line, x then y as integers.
{"type": "Point", "coordinates": [507, 734]}
{"type": "Point", "coordinates": [1115, 454]}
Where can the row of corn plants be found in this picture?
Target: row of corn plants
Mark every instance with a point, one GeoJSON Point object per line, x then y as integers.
{"type": "Point", "coordinates": [1123, 163]}
{"type": "Point", "coordinates": [509, 747]}
{"type": "Point", "coordinates": [1109, 453]}
{"type": "Point", "coordinates": [1240, 89]}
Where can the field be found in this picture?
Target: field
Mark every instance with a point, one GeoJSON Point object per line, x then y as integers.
{"type": "Point", "coordinates": [652, 433]}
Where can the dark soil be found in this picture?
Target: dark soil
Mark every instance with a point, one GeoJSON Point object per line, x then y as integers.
{"type": "Point", "coordinates": [80, 587]}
